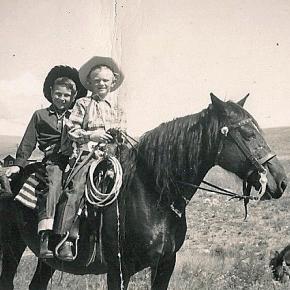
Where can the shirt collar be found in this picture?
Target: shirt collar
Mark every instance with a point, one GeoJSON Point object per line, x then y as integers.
{"type": "Point", "coordinates": [97, 99]}
{"type": "Point", "coordinates": [52, 110]}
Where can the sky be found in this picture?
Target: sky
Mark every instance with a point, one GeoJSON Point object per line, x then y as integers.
{"type": "Point", "coordinates": [173, 54]}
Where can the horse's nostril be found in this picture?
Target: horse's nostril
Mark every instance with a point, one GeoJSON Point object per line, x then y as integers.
{"type": "Point", "coordinates": [283, 184]}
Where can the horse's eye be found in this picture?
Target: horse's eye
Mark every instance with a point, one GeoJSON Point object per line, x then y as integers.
{"type": "Point", "coordinates": [247, 132]}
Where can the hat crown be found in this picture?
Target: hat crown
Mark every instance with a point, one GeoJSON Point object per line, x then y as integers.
{"type": "Point", "coordinates": [96, 61]}
{"type": "Point", "coordinates": [60, 71]}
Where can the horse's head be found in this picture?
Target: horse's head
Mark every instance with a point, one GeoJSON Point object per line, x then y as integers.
{"type": "Point", "coordinates": [243, 150]}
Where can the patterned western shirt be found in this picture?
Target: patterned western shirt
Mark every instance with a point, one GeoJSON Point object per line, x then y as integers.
{"type": "Point", "coordinates": [88, 115]}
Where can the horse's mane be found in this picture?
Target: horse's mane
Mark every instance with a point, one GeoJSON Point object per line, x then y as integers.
{"type": "Point", "coordinates": [174, 150]}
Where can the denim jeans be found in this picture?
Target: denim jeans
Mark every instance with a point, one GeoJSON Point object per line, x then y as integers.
{"type": "Point", "coordinates": [49, 197]}
{"type": "Point", "coordinates": [70, 202]}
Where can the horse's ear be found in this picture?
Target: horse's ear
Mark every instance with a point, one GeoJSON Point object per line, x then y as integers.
{"type": "Point", "coordinates": [243, 100]}
{"type": "Point", "coordinates": [218, 104]}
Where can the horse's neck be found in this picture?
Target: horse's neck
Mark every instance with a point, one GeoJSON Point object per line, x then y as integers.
{"type": "Point", "coordinates": [206, 151]}
{"type": "Point", "coordinates": [172, 157]}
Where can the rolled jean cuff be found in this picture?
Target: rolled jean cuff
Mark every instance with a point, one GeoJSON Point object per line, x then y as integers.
{"type": "Point", "coordinates": [45, 225]}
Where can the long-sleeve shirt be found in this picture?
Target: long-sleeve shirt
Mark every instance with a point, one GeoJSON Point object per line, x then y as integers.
{"type": "Point", "coordinates": [45, 129]}
{"type": "Point", "coordinates": [88, 115]}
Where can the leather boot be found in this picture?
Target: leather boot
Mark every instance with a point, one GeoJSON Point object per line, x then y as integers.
{"type": "Point", "coordinates": [65, 252]}
{"type": "Point", "coordinates": [44, 252]}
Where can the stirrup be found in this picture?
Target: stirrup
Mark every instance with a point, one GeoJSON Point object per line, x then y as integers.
{"type": "Point", "coordinates": [63, 241]}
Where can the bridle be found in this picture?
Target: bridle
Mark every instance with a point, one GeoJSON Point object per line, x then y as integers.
{"type": "Point", "coordinates": [256, 159]}
{"type": "Point", "coordinates": [231, 131]}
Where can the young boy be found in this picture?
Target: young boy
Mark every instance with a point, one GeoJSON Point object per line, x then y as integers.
{"type": "Point", "coordinates": [61, 88]}
{"type": "Point", "coordinates": [89, 121]}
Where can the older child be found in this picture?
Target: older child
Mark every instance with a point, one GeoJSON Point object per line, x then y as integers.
{"type": "Point", "coordinates": [46, 128]}
{"type": "Point", "coordinates": [89, 121]}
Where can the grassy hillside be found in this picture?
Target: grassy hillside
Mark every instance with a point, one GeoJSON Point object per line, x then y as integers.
{"type": "Point", "coordinates": [221, 251]}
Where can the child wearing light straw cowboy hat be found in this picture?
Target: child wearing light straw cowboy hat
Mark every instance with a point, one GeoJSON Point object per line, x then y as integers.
{"type": "Point", "coordinates": [47, 129]}
{"type": "Point", "coordinates": [90, 120]}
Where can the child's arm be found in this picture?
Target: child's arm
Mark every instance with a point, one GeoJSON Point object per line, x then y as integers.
{"type": "Point", "coordinates": [27, 144]}
{"type": "Point", "coordinates": [75, 123]}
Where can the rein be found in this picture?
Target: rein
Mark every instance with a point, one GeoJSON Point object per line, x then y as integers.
{"type": "Point", "coordinates": [256, 163]}
{"type": "Point", "coordinates": [220, 190]}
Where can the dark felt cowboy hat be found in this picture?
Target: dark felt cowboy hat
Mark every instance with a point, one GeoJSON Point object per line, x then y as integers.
{"type": "Point", "coordinates": [100, 60]}
{"type": "Point", "coordinates": [60, 71]}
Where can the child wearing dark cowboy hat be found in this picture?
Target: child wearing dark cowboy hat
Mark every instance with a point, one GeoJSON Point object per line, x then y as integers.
{"type": "Point", "coordinates": [47, 129]}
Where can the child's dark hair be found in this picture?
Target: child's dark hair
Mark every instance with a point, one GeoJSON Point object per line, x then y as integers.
{"type": "Point", "coordinates": [67, 82]}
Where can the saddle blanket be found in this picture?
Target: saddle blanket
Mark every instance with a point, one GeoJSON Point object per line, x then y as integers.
{"type": "Point", "coordinates": [31, 188]}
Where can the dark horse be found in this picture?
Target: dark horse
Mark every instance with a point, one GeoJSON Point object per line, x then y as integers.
{"type": "Point", "coordinates": [156, 188]}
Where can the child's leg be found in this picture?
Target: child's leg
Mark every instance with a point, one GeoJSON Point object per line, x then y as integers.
{"type": "Point", "coordinates": [50, 198]}
{"type": "Point", "coordinates": [70, 201]}
{"type": "Point", "coordinates": [47, 205]}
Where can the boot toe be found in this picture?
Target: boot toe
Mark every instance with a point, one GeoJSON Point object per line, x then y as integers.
{"type": "Point", "coordinates": [65, 252]}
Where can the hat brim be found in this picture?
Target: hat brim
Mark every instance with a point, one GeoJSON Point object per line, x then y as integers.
{"type": "Point", "coordinates": [59, 72]}
{"type": "Point", "coordinates": [100, 60]}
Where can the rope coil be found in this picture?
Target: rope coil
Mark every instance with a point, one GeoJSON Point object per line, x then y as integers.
{"type": "Point", "coordinates": [96, 197]}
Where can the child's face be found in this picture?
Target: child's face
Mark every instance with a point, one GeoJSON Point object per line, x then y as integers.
{"type": "Point", "coordinates": [101, 80]}
{"type": "Point", "coordinates": [61, 97]}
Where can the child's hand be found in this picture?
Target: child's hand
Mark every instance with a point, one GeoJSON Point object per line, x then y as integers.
{"type": "Point", "coordinates": [79, 136]}
{"type": "Point", "coordinates": [12, 170]}
{"type": "Point", "coordinates": [100, 135]}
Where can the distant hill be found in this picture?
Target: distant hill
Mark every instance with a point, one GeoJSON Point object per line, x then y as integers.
{"type": "Point", "coordinates": [8, 145]}
{"type": "Point", "coordinates": [278, 138]}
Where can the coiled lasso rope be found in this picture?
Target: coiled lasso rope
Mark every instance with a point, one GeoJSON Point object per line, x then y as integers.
{"type": "Point", "coordinates": [102, 199]}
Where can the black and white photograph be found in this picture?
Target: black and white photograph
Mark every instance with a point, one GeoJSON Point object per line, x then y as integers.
{"type": "Point", "coordinates": [144, 144]}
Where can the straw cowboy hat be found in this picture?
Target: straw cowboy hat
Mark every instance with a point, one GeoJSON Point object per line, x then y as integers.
{"type": "Point", "coordinates": [59, 72]}
{"type": "Point", "coordinates": [98, 61]}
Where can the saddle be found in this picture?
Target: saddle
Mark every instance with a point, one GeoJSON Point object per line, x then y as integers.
{"type": "Point", "coordinates": [104, 181]}
{"type": "Point", "coordinates": [101, 180]}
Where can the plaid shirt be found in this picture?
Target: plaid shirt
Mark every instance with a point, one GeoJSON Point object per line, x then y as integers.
{"type": "Point", "coordinates": [89, 115]}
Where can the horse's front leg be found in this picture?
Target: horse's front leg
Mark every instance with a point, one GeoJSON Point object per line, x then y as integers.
{"type": "Point", "coordinates": [116, 279]}
{"type": "Point", "coordinates": [12, 247]}
{"type": "Point", "coordinates": [42, 275]}
{"type": "Point", "coordinates": [161, 273]}
{"type": "Point", "coordinates": [117, 275]}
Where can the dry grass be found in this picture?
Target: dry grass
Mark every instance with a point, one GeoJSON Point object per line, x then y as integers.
{"type": "Point", "coordinates": [221, 250]}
